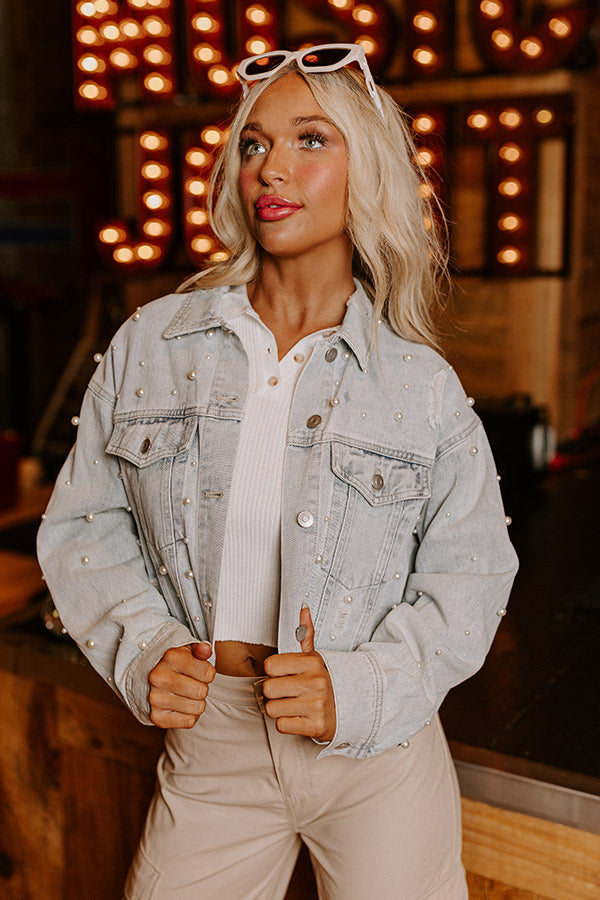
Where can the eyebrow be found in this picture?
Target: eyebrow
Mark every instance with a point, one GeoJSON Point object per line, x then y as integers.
{"type": "Point", "coordinates": [295, 122]}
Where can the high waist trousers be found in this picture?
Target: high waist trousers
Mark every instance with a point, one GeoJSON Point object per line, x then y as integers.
{"type": "Point", "coordinates": [235, 798]}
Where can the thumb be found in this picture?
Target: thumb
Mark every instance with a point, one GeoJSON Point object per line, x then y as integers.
{"type": "Point", "coordinates": [305, 633]}
{"type": "Point", "coordinates": [202, 650]}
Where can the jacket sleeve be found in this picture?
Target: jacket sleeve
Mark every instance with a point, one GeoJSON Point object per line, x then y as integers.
{"type": "Point", "coordinates": [439, 633]}
{"type": "Point", "coordinates": [104, 589]}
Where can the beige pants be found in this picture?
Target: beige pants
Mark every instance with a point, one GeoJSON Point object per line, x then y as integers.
{"type": "Point", "coordinates": [234, 799]}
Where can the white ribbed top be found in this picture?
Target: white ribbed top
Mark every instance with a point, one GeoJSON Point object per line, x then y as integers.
{"type": "Point", "coordinates": [249, 585]}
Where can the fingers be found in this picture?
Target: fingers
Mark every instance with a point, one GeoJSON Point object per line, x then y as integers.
{"type": "Point", "coordinates": [305, 633]}
{"type": "Point", "coordinates": [179, 686]}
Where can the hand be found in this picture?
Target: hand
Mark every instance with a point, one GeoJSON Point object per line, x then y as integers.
{"type": "Point", "coordinates": [298, 688]}
{"type": "Point", "coordinates": [179, 686]}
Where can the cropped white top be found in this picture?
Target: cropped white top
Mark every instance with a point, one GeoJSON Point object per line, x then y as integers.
{"type": "Point", "coordinates": [249, 585]}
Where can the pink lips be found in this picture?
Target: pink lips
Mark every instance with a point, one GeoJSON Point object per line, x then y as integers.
{"type": "Point", "coordinates": [271, 208]}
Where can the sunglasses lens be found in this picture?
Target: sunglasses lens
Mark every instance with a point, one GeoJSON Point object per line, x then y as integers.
{"type": "Point", "coordinates": [264, 64]}
{"type": "Point", "coordinates": [330, 56]}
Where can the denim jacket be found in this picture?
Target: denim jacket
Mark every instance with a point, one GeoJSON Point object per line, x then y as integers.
{"type": "Point", "coordinates": [392, 523]}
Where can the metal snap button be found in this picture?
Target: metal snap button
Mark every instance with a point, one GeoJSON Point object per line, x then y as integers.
{"type": "Point", "coordinates": [313, 421]}
{"type": "Point", "coordinates": [331, 354]}
{"type": "Point", "coordinates": [305, 518]}
{"type": "Point", "coordinates": [377, 481]}
{"type": "Point", "coordinates": [146, 444]}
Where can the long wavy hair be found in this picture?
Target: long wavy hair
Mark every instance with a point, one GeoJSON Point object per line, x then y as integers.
{"type": "Point", "coordinates": [397, 232]}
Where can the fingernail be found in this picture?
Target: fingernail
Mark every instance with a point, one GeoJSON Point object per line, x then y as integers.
{"type": "Point", "coordinates": [301, 632]}
{"type": "Point", "coordinates": [305, 605]}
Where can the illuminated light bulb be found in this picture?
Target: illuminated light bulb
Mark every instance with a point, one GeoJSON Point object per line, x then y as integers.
{"type": "Point", "coordinates": [341, 4]}
{"type": "Point", "coordinates": [560, 27]}
{"type": "Point", "coordinates": [365, 15]}
{"type": "Point", "coordinates": [155, 200]}
{"type": "Point", "coordinates": [88, 36]}
{"type": "Point", "coordinates": [147, 251]}
{"type": "Point", "coordinates": [478, 120]}
{"type": "Point", "coordinates": [531, 46]}
{"type": "Point", "coordinates": [131, 29]}
{"type": "Point", "coordinates": [104, 7]}
{"type": "Point", "coordinates": [425, 21]}
{"type": "Point", "coordinates": [509, 256]}
{"type": "Point", "coordinates": [205, 53]}
{"type": "Point", "coordinates": [510, 153]}
{"type": "Point", "coordinates": [158, 4]}
{"type": "Point", "coordinates": [368, 44]}
{"type": "Point", "coordinates": [90, 90]}
{"type": "Point", "coordinates": [503, 38]}
{"type": "Point", "coordinates": [138, 4]}
{"type": "Point", "coordinates": [211, 136]}
{"type": "Point", "coordinates": [510, 118]}
{"type": "Point", "coordinates": [258, 15]}
{"type": "Point", "coordinates": [510, 222]}
{"type": "Point", "coordinates": [196, 187]}
{"type": "Point", "coordinates": [90, 63]}
{"type": "Point", "coordinates": [154, 170]}
{"type": "Point", "coordinates": [197, 157]}
{"type": "Point", "coordinates": [124, 255]}
{"type": "Point", "coordinates": [425, 157]}
{"type": "Point", "coordinates": [87, 10]}
{"type": "Point", "coordinates": [256, 45]}
{"type": "Point", "coordinates": [123, 59]}
{"type": "Point", "coordinates": [157, 83]}
{"type": "Point", "coordinates": [425, 56]}
{"type": "Point", "coordinates": [202, 244]}
{"type": "Point", "coordinates": [156, 55]}
{"type": "Point", "coordinates": [110, 31]}
{"type": "Point", "coordinates": [423, 124]}
{"type": "Point", "coordinates": [425, 190]}
{"type": "Point", "coordinates": [219, 256]}
{"type": "Point", "coordinates": [156, 228]}
{"type": "Point", "coordinates": [220, 75]}
{"type": "Point", "coordinates": [544, 116]}
{"type": "Point", "coordinates": [112, 234]}
{"type": "Point", "coordinates": [205, 23]}
{"type": "Point", "coordinates": [197, 217]}
{"type": "Point", "coordinates": [151, 140]}
{"type": "Point", "coordinates": [156, 27]}
{"type": "Point", "coordinates": [491, 9]}
{"type": "Point", "coordinates": [510, 187]}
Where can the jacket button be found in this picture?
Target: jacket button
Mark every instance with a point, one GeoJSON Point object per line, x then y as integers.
{"type": "Point", "coordinates": [146, 445]}
{"type": "Point", "coordinates": [331, 354]}
{"type": "Point", "coordinates": [305, 518]}
{"type": "Point", "coordinates": [313, 421]}
{"type": "Point", "coordinates": [377, 481]}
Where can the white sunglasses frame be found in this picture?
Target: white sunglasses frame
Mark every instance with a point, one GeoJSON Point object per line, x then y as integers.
{"type": "Point", "coordinates": [356, 53]}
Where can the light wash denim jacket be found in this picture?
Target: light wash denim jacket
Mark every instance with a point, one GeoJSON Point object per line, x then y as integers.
{"type": "Point", "coordinates": [392, 523]}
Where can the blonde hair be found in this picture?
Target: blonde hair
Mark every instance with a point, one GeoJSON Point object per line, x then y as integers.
{"type": "Point", "coordinates": [398, 255]}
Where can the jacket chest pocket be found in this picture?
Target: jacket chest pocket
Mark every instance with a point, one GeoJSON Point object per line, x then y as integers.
{"type": "Point", "coordinates": [375, 501]}
{"type": "Point", "coordinates": [154, 454]}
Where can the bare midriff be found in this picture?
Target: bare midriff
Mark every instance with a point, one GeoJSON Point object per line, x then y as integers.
{"type": "Point", "coordinates": [241, 659]}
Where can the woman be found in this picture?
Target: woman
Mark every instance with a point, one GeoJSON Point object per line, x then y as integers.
{"type": "Point", "coordinates": [280, 535]}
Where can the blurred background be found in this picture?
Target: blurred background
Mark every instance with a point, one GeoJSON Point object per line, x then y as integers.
{"type": "Point", "coordinates": [110, 116]}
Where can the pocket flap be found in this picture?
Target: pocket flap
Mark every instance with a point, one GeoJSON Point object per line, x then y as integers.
{"type": "Point", "coordinates": [144, 441]}
{"type": "Point", "coordinates": [380, 479]}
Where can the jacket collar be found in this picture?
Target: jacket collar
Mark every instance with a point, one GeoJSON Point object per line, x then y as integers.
{"type": "Point", "coordinates": [201, 310]}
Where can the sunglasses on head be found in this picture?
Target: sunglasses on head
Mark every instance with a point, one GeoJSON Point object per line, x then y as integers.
{"type": "Point", "coordinates": [322, 58]}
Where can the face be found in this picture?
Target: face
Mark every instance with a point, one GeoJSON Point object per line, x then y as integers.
{"type": "Point", "coordinates": [293, 175]}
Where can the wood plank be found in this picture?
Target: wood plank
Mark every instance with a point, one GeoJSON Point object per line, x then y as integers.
{"type": "Point", "coordinates": [552, 861]}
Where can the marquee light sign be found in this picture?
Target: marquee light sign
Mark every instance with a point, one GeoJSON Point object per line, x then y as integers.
{"type": "Point", "coordinates": [139, 39]}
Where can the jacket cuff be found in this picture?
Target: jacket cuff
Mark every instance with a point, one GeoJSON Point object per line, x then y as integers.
{"type": "Point", "coordinates": [136, 685]}
{"type": "Point", "coordinates": [358, 692]}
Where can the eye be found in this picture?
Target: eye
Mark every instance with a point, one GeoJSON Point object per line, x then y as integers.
{"type": "Point", "coordinates": [250, 147]}
{"type": "Point", "coordinates": [313, 140]}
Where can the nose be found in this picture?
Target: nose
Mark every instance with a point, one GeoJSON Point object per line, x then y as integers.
{"type": "Point", "coordinates": [276, 166]}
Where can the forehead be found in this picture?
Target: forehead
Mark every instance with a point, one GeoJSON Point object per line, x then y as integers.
{"type": "Point", "coordinates": [286, 99]}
